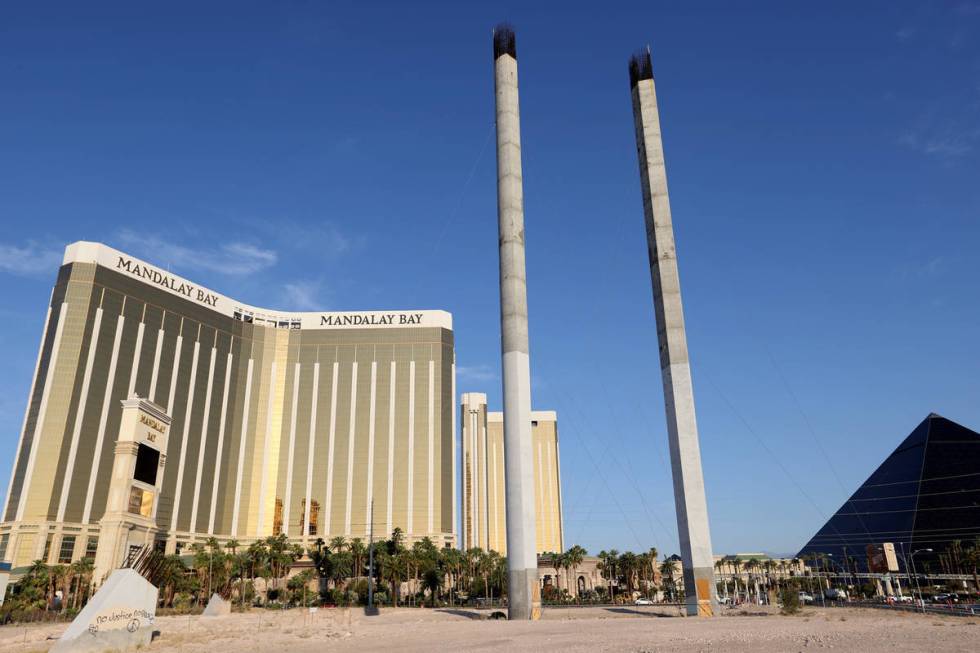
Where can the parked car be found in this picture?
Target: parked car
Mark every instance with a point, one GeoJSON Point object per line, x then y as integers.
{"type": "Point", "coordinates": [723, 600]}
{"type": "Point", "coordinates": [946, 598]}
{"type": "Point", "coordinates": [806, 599]}
{"type": "Point", "coordinates": [642, 601]}
{"type": "Point", "coordinates": [835, 595]}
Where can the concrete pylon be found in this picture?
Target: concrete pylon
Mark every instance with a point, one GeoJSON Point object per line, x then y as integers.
{"type": "Point", "coordinates": [523, 594]}
{"type": "Point", "coordinates": [675, 369]}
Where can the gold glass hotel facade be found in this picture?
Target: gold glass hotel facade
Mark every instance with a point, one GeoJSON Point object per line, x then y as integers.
{"type": "Point", "coordinates": [280, 422]}
{"type": "Point", "coordinates": [484, 509]}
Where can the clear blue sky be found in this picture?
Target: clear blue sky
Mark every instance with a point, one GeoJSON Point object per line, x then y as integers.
{"type": "Point", "coordinates": [823, 162]}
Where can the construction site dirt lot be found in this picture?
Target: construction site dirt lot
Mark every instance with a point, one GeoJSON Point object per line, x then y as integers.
{"type": "Point", "coordinates": [561, 629]}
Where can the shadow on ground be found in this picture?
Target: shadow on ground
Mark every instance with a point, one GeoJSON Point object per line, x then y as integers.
{"type": "Point", "coordinates": [469, 614]}
{"type": "Point", "coordinates": [641, 613]}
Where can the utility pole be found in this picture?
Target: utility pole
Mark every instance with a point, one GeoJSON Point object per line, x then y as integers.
{"type": "Point", "coordinates": [371, 610]}
{"type": "Point", "coordinates": [922, 600]}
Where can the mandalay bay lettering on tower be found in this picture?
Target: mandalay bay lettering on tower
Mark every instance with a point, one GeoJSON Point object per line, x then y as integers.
{"type": "Point", "coordinates": [282, 422]}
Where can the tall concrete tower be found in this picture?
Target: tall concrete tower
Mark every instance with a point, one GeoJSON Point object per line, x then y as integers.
{"type": "Point", "coordinates": [524, 595]}
{"type": "Point", "coordinates": [682, 427]}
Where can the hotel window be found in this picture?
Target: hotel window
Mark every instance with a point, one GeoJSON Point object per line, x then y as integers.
{"type": "Point", "coordinates": [67, 549]}
{"type": "Point", "coordinates": [91, 546]}
{"type": "Point", "coordinates": [277, 519]}
{"type": "Point", "coordinates": [147, 461]}
{"type": "Point", "coordinates": [140, 501]}
{"type": "Point", "coordinates": [3, 545]}
{"type": "Point", "coordinates": [47, 549]}
{"type": "Point", "coordinates": [314, 515]}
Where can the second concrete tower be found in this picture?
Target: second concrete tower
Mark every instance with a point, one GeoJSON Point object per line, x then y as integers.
{"type": "Point", "coordinates": [675, 368]}
{"type": "Point", "coordinates": [524, 595]}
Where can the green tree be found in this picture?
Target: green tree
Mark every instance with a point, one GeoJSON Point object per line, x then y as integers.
{"type": "Point", "coordinates": [358, 555]}
{"type": "Point", "coordinates": [452, 561]}
{"type": "Point", "coordinates": [83, 568]}
{"type": "Point", "coordinates": [667, 570]}
{"type": "Point", "coordinates": [573, 558]}
{"type": "Point", "coordinates": [627, 569]}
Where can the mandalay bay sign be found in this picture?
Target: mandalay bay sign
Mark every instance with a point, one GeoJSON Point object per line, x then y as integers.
{"type": "Point", "coordinates": [107, 257]}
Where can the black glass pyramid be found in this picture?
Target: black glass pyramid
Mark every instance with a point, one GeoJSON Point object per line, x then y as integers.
{"type": "Point", "coordinates": [926, 495]}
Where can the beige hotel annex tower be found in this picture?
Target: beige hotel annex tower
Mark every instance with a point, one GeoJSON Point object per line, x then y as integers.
{"type": "Point", "coordinates": [484, 511]}
{"type": "Point", "coordinates": [281, 422]}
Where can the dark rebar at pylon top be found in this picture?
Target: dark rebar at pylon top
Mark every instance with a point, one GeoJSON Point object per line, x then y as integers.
{"type": "Point", "coordinates": [504, 41]}
{"type": "Point", "coordinates": [640, 66]}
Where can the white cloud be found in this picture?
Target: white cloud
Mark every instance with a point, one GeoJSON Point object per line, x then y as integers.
{"type": "Point", "coordinates": [32, 259]}
{"type": "Point", "coordinates": [322, 236]}
{"type": "Point", "coordinates": [476, 373]}
{"type": "Point", "coordinates": [945, 143]}
{"type": "Point", "coordinates": [905, 33]}
{"type": "Point", "coordinates": [233, 258]}
{"type": "Point", "coordinates": [302, 296]}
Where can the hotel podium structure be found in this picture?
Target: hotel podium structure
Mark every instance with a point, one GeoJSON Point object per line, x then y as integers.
{"type": "Point", "coordinates": [484, 515]}
{"type": "Point", "coordinates": [279, 422]}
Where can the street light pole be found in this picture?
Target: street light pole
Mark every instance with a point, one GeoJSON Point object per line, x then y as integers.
{"type": "Point", "coordinates": [371, 608]}
{"type": "Point", "coordinates": [922, 600]}
{"type": "Point", "coordinates": [818, 558]}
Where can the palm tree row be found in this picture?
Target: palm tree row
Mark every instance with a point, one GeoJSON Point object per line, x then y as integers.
{"type": "Point", "coordinates": [63, 587]}
{"type": "Point", "coordinates": [632, 572]}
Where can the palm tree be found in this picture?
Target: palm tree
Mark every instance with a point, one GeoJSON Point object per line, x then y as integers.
{"type": "Point", "coordinates": [613, 570]}
{"type": "Point", "coordinates": [736, 566]}
{"type": "Point", "coordinates": [56, 576]}
{"type": "Point", "coordinates": [358, 551]}
{"type": "Point", "coordinates": [573, 558]}
{"type": "Point", "coordinates": [65, 578]}
{"type": "Point", "coordinates": [82, 569]}
{"type": "Point", "coordinates": [452, 560]}
{"type": "Point", "coordinates": [667, 569]}
{"type": "Point", "coordinates": [627, 568]}
{"type": "Point", "coordinates": [338, 544]}
{"type": "Point", "coordinates": [485, 567]}
{"type": "Point", "coordinates": [719, 565]}
{"type": "Point", "coordinates": [471, 557]}
{"type": "Point", "coordinates": [652, 554]}
{"type": "Point", "coordinates": [558, 563]}
{"type": "Point", "coordinates": [770, 568]}
{"type": "Point", "coordinates": [752, 565]}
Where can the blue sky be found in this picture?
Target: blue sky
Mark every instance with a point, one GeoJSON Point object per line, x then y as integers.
{"type": "Point", "coordinates": [823, 164]}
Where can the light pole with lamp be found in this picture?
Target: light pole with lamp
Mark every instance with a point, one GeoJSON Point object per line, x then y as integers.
{"type": "Point", "coordinates": [922, 601]}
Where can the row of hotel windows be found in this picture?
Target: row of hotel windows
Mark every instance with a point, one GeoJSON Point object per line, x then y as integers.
{"type": "Point", "coordinates": [314, 516]}
{"type": "Point", "coordinates": [250, 318]}
{"type": "Point", "coordinates": [66, 551]}
{"type": "Point", "coordinates": [276, 524]}
{"type": "Point", "coordinates": [139, 503]}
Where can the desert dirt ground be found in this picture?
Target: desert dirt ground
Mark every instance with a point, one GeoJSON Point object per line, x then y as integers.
{"type": "Point", "coordinates": [564, 629]}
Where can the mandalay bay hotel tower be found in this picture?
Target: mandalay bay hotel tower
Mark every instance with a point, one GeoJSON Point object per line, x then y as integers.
{"type": "Point", "coordinates": [297, 423]}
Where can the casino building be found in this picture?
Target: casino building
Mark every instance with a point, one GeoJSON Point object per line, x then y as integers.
{"type": "Point", "coordinates": [280, 422]}
{"type": "Point", "coordinates": [484, 508]}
